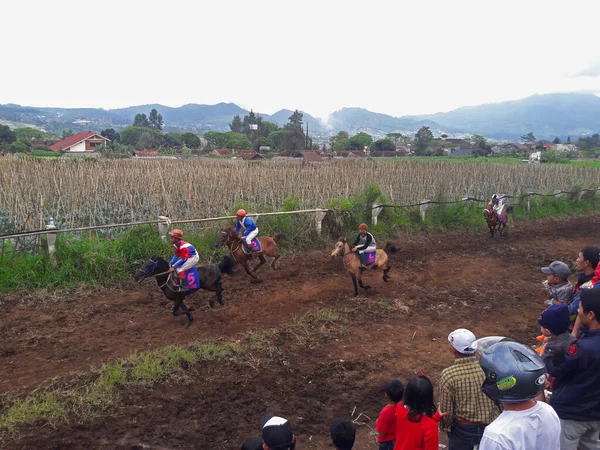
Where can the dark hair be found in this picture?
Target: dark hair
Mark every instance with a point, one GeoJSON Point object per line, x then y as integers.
{"type": "Point", "coordinates": [590, 301]}
{"type": "Point", "coordinates": [254, 443]}
{"type": "Point", "coordinates": [418, 398]}
{"type": "Point", "coordinates": [591, 253]}
{"type": "Point", "coordinates": [343, 434]}
{"type": "Point", "coordinates": [394, 389]}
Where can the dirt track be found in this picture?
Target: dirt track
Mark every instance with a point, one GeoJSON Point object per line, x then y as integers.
{"type": "Point", "coordinates": [445, 281]}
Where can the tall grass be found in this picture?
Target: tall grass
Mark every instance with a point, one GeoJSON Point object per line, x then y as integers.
{"type": "Point", "coordinates": [96, 192]}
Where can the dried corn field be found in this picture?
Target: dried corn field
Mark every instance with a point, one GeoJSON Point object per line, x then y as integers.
{"type": "Point", "coordinates": [81, 193]}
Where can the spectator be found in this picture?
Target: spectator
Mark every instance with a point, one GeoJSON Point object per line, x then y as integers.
{"type": "Point", "coordinates": [254, 443]}
{"type": "Point", "coordinates": [576, 395]}
{"type": "Point", "coordinates": [587, 263]}
{"type": "Point", "coordinates": [342, 434]}
{"type": "Point", "coordinates": [276, 433]}
{"type": "Point", "coordinates": [514, 377]}
{"type": "Point", "coordinates": [561, 289]}
{"type": "Point", "coordinates": [554, 323]}
{"type": "Point", "coordinates": [415, 427]}
{"type": "Point", "coordinates": [468, 409]}
{"type": "Point", "coordinates": [386, 423]}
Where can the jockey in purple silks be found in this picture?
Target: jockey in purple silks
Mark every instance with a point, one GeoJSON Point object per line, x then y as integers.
{"type": "Point", "coordinates": [498, 205]}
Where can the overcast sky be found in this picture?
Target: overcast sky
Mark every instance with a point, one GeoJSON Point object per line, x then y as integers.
{"type": "Point", "coordinates": [394, 57]}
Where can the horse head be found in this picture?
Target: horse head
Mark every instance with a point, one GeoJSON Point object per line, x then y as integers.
{"type": "Point", "coordinates": [338, 250]}
{"type": "Point", "coordinates": [488, 212]}
{"type": "Point", "coordinates": [227, 236]}
{"type": "Point", "coordinates": [152, 266]}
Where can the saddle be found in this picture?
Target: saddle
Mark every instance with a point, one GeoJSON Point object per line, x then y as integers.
{"type": "Point", "coordinates": [370, 258]}
{"type": "Point", "coordinates": [254, 246]}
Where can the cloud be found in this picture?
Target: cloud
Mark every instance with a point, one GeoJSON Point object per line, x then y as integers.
{"type": "Point", "coordinates": [591, 70]}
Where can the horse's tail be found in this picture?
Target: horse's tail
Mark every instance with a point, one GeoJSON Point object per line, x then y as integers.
{"type": "Point", "coordinates": [226, 264]}
{"type": "Point", "coordinates": [279, 237]}
{"type": "Point", "coordinates": [390, 248]}
{"type": "Point", "coordinates": [510, 209]}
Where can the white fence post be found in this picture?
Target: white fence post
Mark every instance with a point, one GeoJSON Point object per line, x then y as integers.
{"type": "Point", "coordinates": [377, 208]}
{"type": "Point", "coordinates": [423, 208]}
{"type": "Point", "coordinates": [319, 221]}
{"type": "Point", "coordinates": [51, 240]}
{"type": "Point", "coordinates": [163, 226]}
{"type": "Point", "coordinates": [558, 193]}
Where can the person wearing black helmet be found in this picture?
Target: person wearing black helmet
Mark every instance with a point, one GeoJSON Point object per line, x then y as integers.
{"type": "Point", "coordinates": [514, 376]}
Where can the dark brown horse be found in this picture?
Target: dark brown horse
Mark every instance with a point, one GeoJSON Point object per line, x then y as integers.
{"type": "Point", "coordinates": [232, 240]}
{"type": "Point", "coordinates": [492, 220]}
{"type": "Point", "coordinates": [169, 283]}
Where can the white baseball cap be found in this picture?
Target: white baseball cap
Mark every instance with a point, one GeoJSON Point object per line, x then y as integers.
{"type": "Point", "coordinates": [462, 341]}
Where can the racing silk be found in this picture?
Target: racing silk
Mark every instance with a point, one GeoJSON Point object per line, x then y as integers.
{"type": "Point", "coordinates": [248, 224]}
{"type": "Point", "coordinates": [183, 251]}
{"type": "Point", "coordinates": [364, 242]}
{"type": "Point", "coordinates": [499, 207]}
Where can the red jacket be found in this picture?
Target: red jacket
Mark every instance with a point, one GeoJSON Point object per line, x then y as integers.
{"type": "Point", "coordinates": [422, 435]}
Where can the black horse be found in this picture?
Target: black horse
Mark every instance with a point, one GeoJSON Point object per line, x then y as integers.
{"type": "Point", "coordinates": [169, 283]}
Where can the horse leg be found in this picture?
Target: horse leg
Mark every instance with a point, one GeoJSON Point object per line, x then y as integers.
{"type": "Point", "coordinates": [355, 284]}
{"type": "Point", "coordinates": [360, 283]}
{"type": "Point", "coordinates": [386, 277]}
{"type": "Point", "coordinates": [276, 256]}
{"type": "Point", "coordinates": [187, 314]}
{"type": "Point", "coordinates": [176, 306]}
{"type": "Point", "coordinates": [247, 269]}
{"type": "Point", "coordinates": [262, 261]}
{"type": "Point", "coordinates": [491, 231]}
{"type": "Point", "coordinates": [219, 292]}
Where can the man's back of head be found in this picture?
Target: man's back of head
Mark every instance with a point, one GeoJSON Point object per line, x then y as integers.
{"type": "Point", "coordinates": [343, 434]}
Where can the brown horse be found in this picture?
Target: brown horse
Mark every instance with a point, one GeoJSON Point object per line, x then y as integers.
{"type": "Point", "coordinates": [231, 239]}
{"type": "Point", "coordinates": [352, 262]}
{"type": "Point", "coordinates": [492, 219]}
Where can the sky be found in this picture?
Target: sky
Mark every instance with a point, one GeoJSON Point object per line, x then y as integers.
{"type": "Point", "coordinates": [394, 57]}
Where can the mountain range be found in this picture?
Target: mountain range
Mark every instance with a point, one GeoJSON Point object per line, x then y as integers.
{"type": "Point", "coordinates": [547, 116]}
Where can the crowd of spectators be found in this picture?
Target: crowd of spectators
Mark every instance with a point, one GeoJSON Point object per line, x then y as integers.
{"type": "Point", "coordinates": [498, 394]}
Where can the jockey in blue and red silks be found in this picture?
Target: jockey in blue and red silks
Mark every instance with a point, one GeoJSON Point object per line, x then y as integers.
{"type": "Point", "coordinates": [498, 205]}
{"type": "Point", "coordinates": [250, 228]}
{"type": "Point", "coordinates": [185, 252]}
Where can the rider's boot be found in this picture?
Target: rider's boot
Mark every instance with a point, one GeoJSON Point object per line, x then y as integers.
{"type": "Point", "coordinates": [361, 258]}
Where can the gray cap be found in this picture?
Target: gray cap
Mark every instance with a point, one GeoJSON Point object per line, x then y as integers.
{"type": "Point", "coordinates": [558, 268]}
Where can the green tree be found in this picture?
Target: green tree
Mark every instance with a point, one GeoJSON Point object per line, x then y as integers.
{"type": "Point", "coordinates": [142, 138]}
{"type": "Point", "coordinates": [155, 120]}
{"type": "Point", "coordinates": [262, 142]}
{"type": "Point", "coordinates": [19, 147]}
{"type": "Point", "coordinates": [568, 139]}
{"type": "Point", "coordinates": [29, 134]}
{"type": "Point", "coordinates": [236, 124]}
{"type": "Point", "coordinates": [267, 128]}
{"type": "Point", "coordinates": [238, 141]}
{"type": "Point", "coordinates": [398, 138]}
{"type": "Point", "coordinates": [339, 141]}
{"type": "Point", "coordinates": [7, 136]}
{"type": "Point", "coordinates": [294, 139]}
{"type": "Point", "coordinates": [111, 134]}
{"type": "Point", "coordinates": [422, 140]}
{"type": "Point", "coordinates": [216, 140]}
{"type": "Point", "coordinates": [481, 144]}
{"type": "Point", "coordinates": [114, 149]}
{"type": "Point", "coordinates": [67, 133]}
{"type": "Point", "coordinates": [278, 139]}
{"type": "Point", "coordinates": [191, 140]}
{"type": "Point", "coordinates": [529, 138]}
{"type": "Point", "coordinates": [296, 119]}
{"type": "Point", "coordinates": [359, 141]}
{"type": "Point", "coordinates": [556, 140]}
{"type": "Point", "coordinates": [141, 120]}
{"type": "Point", "coordinates": [383, 145]}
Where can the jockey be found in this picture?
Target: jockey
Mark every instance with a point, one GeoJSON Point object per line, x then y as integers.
{"type": "Point", "coordinates": [250, 228]}
{"type": "Point", "coordinates": [364, 243]}
{"type": "Point", "coordinates": [498, 205]}
{"type": "Point", "coordinates": [185, 252]}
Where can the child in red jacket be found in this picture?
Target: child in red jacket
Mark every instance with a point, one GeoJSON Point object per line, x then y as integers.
{"type": "Point", "coordinates": [386, 423]}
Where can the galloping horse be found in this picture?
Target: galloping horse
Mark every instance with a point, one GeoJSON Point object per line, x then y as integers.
{"type": "Point", "coordinates": [352, 262]}
{"type": "Point", "coordinates": [170, 284]}
{"type": "Point", "coordinates": [229, 237]}
{"type": "Point", "coordinates": [492, 219]}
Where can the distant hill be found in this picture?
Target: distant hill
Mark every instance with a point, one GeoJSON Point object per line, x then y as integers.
{"type": "Point", "coordinates": [546, 116]}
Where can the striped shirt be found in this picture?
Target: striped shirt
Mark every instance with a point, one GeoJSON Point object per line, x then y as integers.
{"type": "Point", "coordinates": [461, 395]}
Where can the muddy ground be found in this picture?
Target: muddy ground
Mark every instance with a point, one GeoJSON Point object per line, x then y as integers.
{"type": "Point", "coordinates": [440, 281]}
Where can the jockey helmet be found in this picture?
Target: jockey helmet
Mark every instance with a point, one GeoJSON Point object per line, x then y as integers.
{"type": "Point", "coordinates": [241, 213]}
{"type": "Point", "coordinates": [514, 373]}
{"type": "Point", "coordinates": [176, 233]}
{"type": "Point", "coordinates": [363, 226]}
{"type": "Point", "coordinates": [495, 197]}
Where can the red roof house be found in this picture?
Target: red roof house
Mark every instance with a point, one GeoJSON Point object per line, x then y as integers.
{"type": "Point", "coordinates": [83, 142]}
{"type": "Point", "coordinates": [249, 155]}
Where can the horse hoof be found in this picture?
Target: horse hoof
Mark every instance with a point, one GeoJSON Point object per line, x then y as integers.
{"type": "Point", "coordinates": [188, 323]}
{"type": "Point", "coordinates": [221, 302]}
{"type": "Point", "coordinates": [211, 304]}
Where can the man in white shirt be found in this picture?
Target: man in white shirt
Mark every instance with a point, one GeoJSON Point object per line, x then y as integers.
{"type": "Point", "coordinates": [515, 375]}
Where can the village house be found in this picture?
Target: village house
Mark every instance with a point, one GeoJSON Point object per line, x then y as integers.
{"type": "Point", "coordinates": [83, 142]}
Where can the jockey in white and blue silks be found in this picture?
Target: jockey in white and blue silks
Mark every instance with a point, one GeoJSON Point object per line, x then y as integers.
{"type": "Point", "coordinates": [186, 256]}
{"type": "Point", "coordinates": [498, 205]}
{"type": "Point", "coordinates": [250, 228]}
